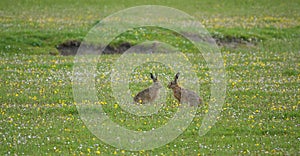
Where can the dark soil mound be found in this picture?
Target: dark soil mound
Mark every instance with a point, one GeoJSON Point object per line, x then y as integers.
{"type": "Point", "coordinates": [234, 42]}
{"type": "Point", "coordinates": [70, 47]}
{"type": "Point", "coordinates": [117, 49]}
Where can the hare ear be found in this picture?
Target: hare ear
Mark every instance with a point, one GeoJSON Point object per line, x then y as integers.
{"type": "Point", "coordinates": [152, 77]}
{"type": "Point", "coordinates": [176, 77]}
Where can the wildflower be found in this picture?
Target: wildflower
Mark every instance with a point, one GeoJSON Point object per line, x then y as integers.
{"type": "Point", "coordinates": [116, 106]}
{"type": "Point", "coordinates": [250, 117]}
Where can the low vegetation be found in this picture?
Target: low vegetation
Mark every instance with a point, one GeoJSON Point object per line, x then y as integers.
{"type": "Point", "coordinates": [259, 42]}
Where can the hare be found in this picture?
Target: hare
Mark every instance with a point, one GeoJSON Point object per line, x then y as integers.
{"type": "Point", "coordinates": [184, 95]}
{"type": "Point", "coordinates": [149, 94]}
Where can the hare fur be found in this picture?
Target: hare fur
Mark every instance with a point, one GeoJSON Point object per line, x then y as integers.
{"type": "Point", "coordinates": [148, 95]}
{"type": "Point", "coordinates": [182, 94]}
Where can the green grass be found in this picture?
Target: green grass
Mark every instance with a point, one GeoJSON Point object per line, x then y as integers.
{"type": "Point", "coordinates": [260, 115]}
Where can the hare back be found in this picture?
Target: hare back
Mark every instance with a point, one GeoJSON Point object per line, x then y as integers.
{"type": "Point", "coordinates": [188, 96]}
{"type": "Point", "coordinates": [147, 95]}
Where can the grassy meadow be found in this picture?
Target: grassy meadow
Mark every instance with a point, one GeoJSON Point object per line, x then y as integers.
{"type": "Point", "coordinates": [260, 116]}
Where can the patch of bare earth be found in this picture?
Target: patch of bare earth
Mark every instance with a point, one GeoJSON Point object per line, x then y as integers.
{"type": "Point", "coordinates": [70, 47]}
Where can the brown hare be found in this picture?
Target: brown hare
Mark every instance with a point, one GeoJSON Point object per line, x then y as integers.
{"type": "Point", "coordinates": [150, 94]}
{"type": "Point", "coordinates": [184, 95]}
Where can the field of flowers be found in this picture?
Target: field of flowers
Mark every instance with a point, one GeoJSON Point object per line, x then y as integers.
{"type": "Point", "coordinates": [38, 115]}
